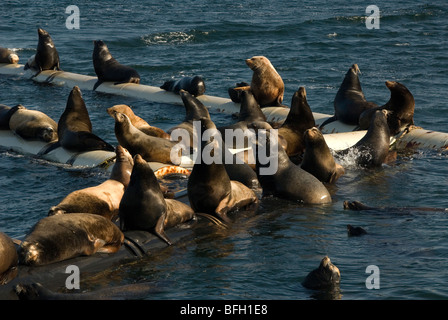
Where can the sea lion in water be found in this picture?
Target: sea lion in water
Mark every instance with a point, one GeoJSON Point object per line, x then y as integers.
{"type": "Point", "coordinates": [103, 199]}
{"type": "Point", "coordinates": [32, 124]}
{"type": "Point", "coordinates": [401, 107]}
{"type": "Point", "coordinates": [300, 118]}
{"type": "Point", "coordinates": [358, 206]}
{"type": "Point", "coordinates": [64, 236]}
{"type": "Point", "coordinates": [355, 231]}
{"type": "Point", "coordinates": [326, 276]}
{"type": "Point", "coordinates": [373, 149]}
{"type": "Point", "coordinates": [194, 85]}
{"type": "Point", "coordinates": [350, 101]}
{"type": "Point", "coordinates": [138, 122]}
{"type": "Point", "coordinates": [7, 56]}
{"type": "Point", "coordinates": [8, 259]}
{"type": "Point", "coordinates": [46, 57]}
{"type": "Point", "coordinates": [143, 206]}
{"type": "Point", "coordinates": [107, 68]}
{"type": "Point", "coordinates": [280, 177]}
{"type": "Point", "coordinates": [210, 189]}
{"type": "Point", "coordinates": [318, 159]}
{"type": "Point", "coordinates": [75, 128]}
{"type": "Point", "coordinates": [152, 149]}
{"type": "Point", "coordinates": [267, 85]}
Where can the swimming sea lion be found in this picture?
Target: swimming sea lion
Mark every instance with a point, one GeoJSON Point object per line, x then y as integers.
{"type": "Point", "coordinates": [103, 199]}
{"type": "Point", "coordinates": [7, 56]}
{"type": "Point", "coordinates": [350, 101]}
{"type": "Point", "coordinates": [138, 122]}
{"type": "Point", "coordinates": [75, 128]}
{"type": "Point", "coordinates": [326, 276]}
{"type": "Point", "coordinates": [300, 118]}
{"type": "Point", "coordinates": [373, 149]}
{"type": "Point", "coordinates": [210, 189]}
{"type": "Point", "coordinates": [107, 68]}
{"type": "Point", "coordinates": [401, 107]}
{"type": "Point", "coordinates": [194, 85]}
{"type": "Point", "coordinates": [143, 206]}
{"type": "Point", "coordinates": [288, 181]}
{"type": "Point", "coordinates": [64, 236]}
{"type": "Point", "coordinates": [358, 206]}
{"type": "Point", "coordinates": [32, 124]}
{"type": "Point", "coordinates": [267, 85]}
{"type": "Point", "coordinates": [46, 57]}
{"type": "Point", "coordinates": [152, 149]}
{"type": "Point", "coordinates": [8, 259]}
{"type": "Point", "coordinates": [355, 231]}
{"type": "Point", "coordinates": [318, 159]}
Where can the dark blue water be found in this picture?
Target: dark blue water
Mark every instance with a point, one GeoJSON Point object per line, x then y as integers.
{"type": "Point", "coordinates": [311, 44]}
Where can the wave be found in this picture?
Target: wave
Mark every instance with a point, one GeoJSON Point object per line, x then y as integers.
{"type": "Point", "coordinates": [173, 37]}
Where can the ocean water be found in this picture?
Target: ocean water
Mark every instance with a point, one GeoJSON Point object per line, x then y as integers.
{"type": "Point", "coordinates": [311, 44]}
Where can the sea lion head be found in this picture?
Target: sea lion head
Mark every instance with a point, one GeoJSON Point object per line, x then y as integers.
{"type": "Point", "coordinates": [29, 253]}
{"type": "Point", "coordinates": [101, 50]}
{"type": "Point", "coordinates": [258, 62]}
{"type": "Point", "coordinates": [48, 134]}
{"type": "Point", "coordinates": [122, 169]}
{"type": "Point", "coordinates": [198, 86]}
{"type": "Point", "coordinates": [13, 58]}
{"type": "Point", "coordinates": [45, 37]}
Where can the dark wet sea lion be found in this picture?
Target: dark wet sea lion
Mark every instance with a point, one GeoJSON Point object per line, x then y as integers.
{"type": "Point", "coordinates": [64, 236]}
{"type": "Point", "coordinates": [46, 57]}
{"type": "Point", "coordinates": [359, 206]}
{"type": "Point", "coordinates": [5, 114]}
{"type": "Point", "coordinates": [210, 189]}
{"type": "Point", "coordinates": [318, 159]}
{"type": "Point", "coordinates": [143, 206]}
{"type": "Point", "coordinates": [235, 92]}
{"type": "Point", "coordinates": [194, 85]}
{"type": "Point", "coordinates": [75, 128]}
{"type": "Point", "coordinates": [300, 118]}
{"type": "Point", "coordinates": [107, 68]}
{"type": "Point", "coordinates": [8, 56]}
{"type": "Point", "coordinates": [32, 124]}
{"type": "Point", "coordinates": [103, 199]}
{"type": "Point", "coordinates": [355, 231]}
{"type": "Point", "coordinates": [285, 180]}
{"type": "Point", "coordinates": [373, 149]}
{"type": "Point", "coordinates": [8, 259]}
{"type": "Point", "coordinates": [138, 122]}
{"type": "Point", "coordinates": [326, 276]}
{"type": "Point", "coordinates": [350, 101]}
{"type": "Point", "coordinates": [401, 107]}
{"type": "Point", "coordinates": [266, 85]}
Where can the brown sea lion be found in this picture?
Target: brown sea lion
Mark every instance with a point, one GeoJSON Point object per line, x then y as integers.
{"type": "Point", "coordinates": [143, 206]}
{"type": "Point", "coordinates": [194, 85]}
{"type": "Point", "coordinates": [8, 56]}
{"type": "Point", "coordinates": [300, 118]}
{"type": "Point", "coordinates": [318, 159]}
{"type": "Point", "coordinates": [138, 122]}
{"type": "Point", "coordinates": [64, 236]}
{"type": "Point", "coordinates": [46, 57]}
{"type": "Point", "coordinates": [107, 68]}
{"type": "Point", "coordinates": [326, 276]}
{"type": "Point", "coordinates": [210, 189]}
{"type": "Point", "coordinates": [33, 124]}
{"type": "Point", "coordinates": [103, 199]}
{"type": "Point", "coordinates": [267, 85]}
{"type": "Point", "coordinates": [401, 107]}
{"type": "Point", "coordinates": [8, 259]}
{"type": "Point", "coordinates": [350, 101]}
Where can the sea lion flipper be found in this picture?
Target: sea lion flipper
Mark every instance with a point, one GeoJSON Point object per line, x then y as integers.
{"type": "Point", "coordinates": [97, 84]}
{"type": "Point", "coordinates": [159, 229]}
{"type": "Point", "coordinates": [329, 120]}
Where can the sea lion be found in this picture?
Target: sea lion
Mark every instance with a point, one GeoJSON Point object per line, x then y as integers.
{"type": "Point", "coordinates": [401, 107]}
{"type": "Point", "coordinates": [350, 101]}
{"type": "Point", "coordinates": [210, 189]}
{"type": "Point", "coordinates": [267, 85]}
{"type": "Point", "coordinates": [8, 259]}
{"type": "Point", "coordinates": [318, 159]}
{"type": "Point", "coordinates": [138, 122]}
{"type": "Point", "coordinates": [355, 231]}
{"type": "Point", "coordinates": [373, 149]}
{"type": "Point", "coordinates": [64, 236]}
{"type": "Point", "coordinates": [103, 199]}
{"type": "Point", "coordinates": [8, 56]}
{"type": "Point", "coordinates": [75, 128]}
{"type": "Point", "coordinates": [46, 57]}
{"type": "Point", "coordinates": [326, 276]}
{"type": "Point", "coordinates": [300, 118]}
{"type": "Point", "coordinates": [235, 92]}
{"type": "Point", "coordinates": [359, 206]}
{"type": "Point", "coordinates": [152, 149]}
{"type": "Point", "coordinates": [32, 124]}
{"type": "Point", "coordinates": [194, 85]}
{"type": "Point", "coordinates": [107, 68]}
{"type": "Point", "coordinates": [143, 206]}
{"type": "Point", "coordinates": [285, 179]}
